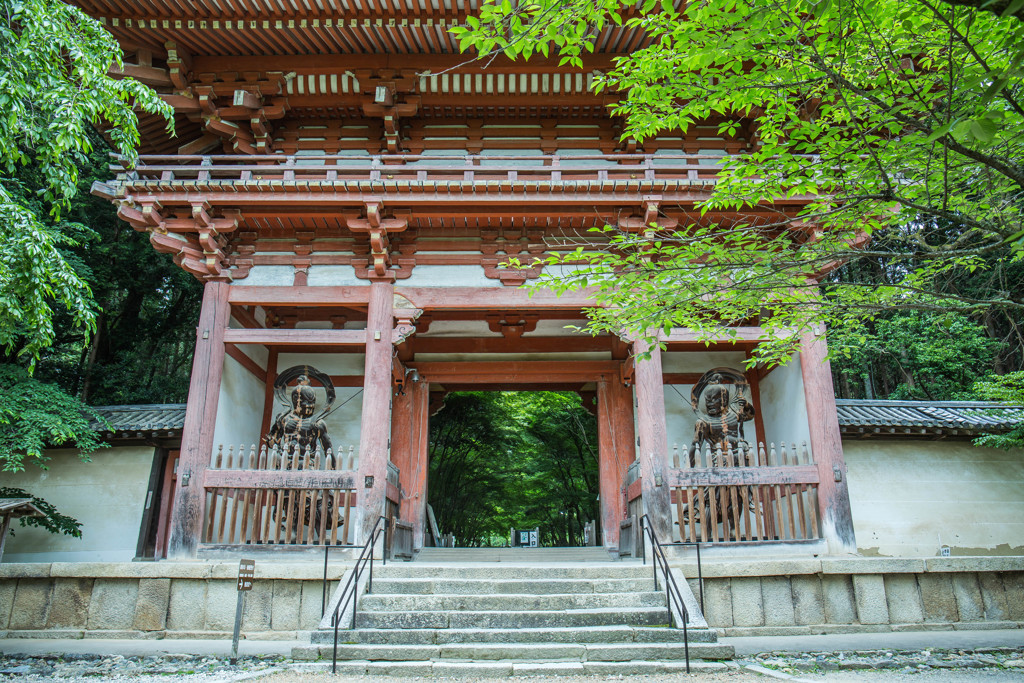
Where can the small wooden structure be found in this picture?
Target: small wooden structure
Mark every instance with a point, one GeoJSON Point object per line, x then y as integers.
{"type": "Point", "coordinates": [13, 508]}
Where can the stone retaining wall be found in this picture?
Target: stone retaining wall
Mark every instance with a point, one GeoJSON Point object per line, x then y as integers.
{"type": "Point", "coordinates": [751, 596]}
{"type": "Point", "coordinates": [841, 595]}
{"type": "Point", "coordinates": [158, 600]}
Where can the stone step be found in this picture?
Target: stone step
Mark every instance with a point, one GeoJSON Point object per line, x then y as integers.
{"type": "Point", "coordinates": [578, 652]}
{"type": "Point", "coordinates": [508, 603]}
{"type": "Point", "coordinates": [514, 555]}
{"type": "Point", "coordinates": [504, 669]}
{"type": "Point", "coordinates": [414, 570]}
{"type": "Point", "coordinates": [446, 586]}
{"type": "Point", "coordinates": [591, 634]}
{"type": "Point", "coordinates": [639, 616]}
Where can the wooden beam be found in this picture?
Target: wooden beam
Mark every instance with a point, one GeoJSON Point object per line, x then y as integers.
{"type": "Point", "coordinates": [681, 377]}
{"type": "Point", "coordinates": [493, 298]}
{"type": "Point", "coordinates": [744, 476]}
{"type": "Point", "coordinates": [148, 75]}
{"type": "Point", "coordinates": [248, 363]}
{"type": "Point", "coordinates": [827, 446]}
{"type": "Point", "coordinates": [200, 417]}
{"type": "Point", "coordinates": [375, 422]}
{"type": "Point", "coordinates": [516, 372]}
{"type": "Point", "coordinates": [299, 296]}
{"type": "Point", "coordinates": [518, 386]}
{"type": "Point", "coordinates": [653, 439]}
{"type": "Point", "coordinates": [576, 343]}
{"type": "Point", "coordinates": [293, 337]}
{"type": "Point", "coordinates": [746, 333]}
{"type": "Point", "coordinates": [245, 317]}
{"type": "Point", "coordinates": [338, 63]}
{"type": "Point", "coordinates": [279, 479]}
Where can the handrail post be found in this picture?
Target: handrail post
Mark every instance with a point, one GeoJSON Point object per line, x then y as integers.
{"type": "Point", "coordinates": [323, 599]}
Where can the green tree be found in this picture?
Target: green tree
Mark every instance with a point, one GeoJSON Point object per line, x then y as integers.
{"type": "Point", "coordinates": [877, 116]}
{"type": "Point", "coordinates": [55, 88]}
{"type": "Point", "coordinates": [1007, 389]}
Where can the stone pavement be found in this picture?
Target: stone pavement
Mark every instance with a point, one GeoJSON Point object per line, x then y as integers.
{"type": "Point", "coordinates": [959, 655]}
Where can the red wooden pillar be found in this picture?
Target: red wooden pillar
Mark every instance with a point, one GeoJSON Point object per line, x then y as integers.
{"type": "Point", "coordinates": [200, 418]}
{"type": "Point", "coordinates": [375, 425]}
{"type": "Point", "coordinates": [653, 440]}
{"type": "Point", "coordinates": [615, 452]}
{"type": "Point", "coordinates": [827, 446]}
{"type": "Point", "coordinates": [409, 452]}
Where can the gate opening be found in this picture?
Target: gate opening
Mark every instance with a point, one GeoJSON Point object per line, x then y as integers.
{"type": "Point", "coordinates": [513, 460]}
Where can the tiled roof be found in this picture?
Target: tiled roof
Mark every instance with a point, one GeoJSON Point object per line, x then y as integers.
{"type": "Point", "coordinates": [162, 419]}
{"type": "Point", "coordinates": [925, 418]}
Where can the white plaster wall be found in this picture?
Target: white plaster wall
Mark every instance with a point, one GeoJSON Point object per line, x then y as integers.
{"type": "Point", "coordinates": [680, 418]}
{"type": "Point", "coordinates": [268, 276]}
{"type": "Point", "coordinates": [343, 423]}
{"type": "Point", "coordinates": [459, 328]}
{"type": "Point", "coordinates": [333, 276]}
{"type": "Point", "coordinates": [448, 276]}
{"type": "Point", "coordinates": [239, 408]}
{"type": "Point", "coordinates": [910, 497]}
{"type": "Point", "coordinates": [783, 405]}
{"type": "Point", "coordinates": [701, 361]}
{"type": "Point", "coordinates": [107, 495]}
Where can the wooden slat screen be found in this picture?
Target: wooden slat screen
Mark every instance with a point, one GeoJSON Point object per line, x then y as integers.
{"type": "Point", "coordinates": [746, 494]}
{"type": "Point", "coordinates": [279, 497]}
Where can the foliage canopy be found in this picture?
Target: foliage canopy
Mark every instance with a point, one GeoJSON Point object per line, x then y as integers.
{"type": "Point", "coordinates": [55, 85]}
{"type": "Point", "coordinates": [885, 119]}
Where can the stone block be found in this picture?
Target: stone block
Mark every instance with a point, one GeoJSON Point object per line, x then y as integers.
{"type": "Point", "coordinates": [187, 609]}
{"type": "Point", "coordinates": [24, 570]}
{"type": "Point", "coordinates": [837, 594]}
{"type": "Point", "coordinates": [257, 611]}
{"type": "Point", "coordinates": [777, 597]}
{"type": "Point", "coordinates": [287, 602]}
{"type": "Point", "coordinates": [747, 605]}
{"type": "Point", "coordinates": [152, 604]}
{"type": "Point", "coordinates": [967, 592]}
{"type": "Point", "coordinates": [1013, 584]}
{"type": "Point", "coordinates": [808, 604]}
{"type": "Point", "coordinates": [937, 597]}
{"type": "Point", "coordinates": [869, 592]}
{"type": "Point", "coordinates": [993, 595]}
{"type": "Point", "coordinates": [718, 602]}
{"type": "Point", "coordinates": [871, 565]}
{"type": "Point", "coordinates": [113, 604]}
{"type": "Point", "coordinates": [904, 599]}
{"type": "Point", "coordinates": [69, 604]}
{"type": "Point", "coordinates": [31, 604]}
{"type": "Point", "coordinates": [973, 563]}
{"type": "Point", "coordinates": [8, 587]}
{"type": "Point", "coordinates": [221, 600]}
{"type": "Point", "coordinates": [310, 602]}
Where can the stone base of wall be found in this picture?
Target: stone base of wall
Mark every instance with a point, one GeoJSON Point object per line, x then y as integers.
{"type": "Point", "coordinates": [159, 600]}
{"type": "Point", "coordinates": [751, 596]}
{"type": "Point", "coordinates": [843, 595]}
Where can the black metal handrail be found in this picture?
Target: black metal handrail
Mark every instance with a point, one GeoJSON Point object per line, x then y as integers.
{"type": "Point", "coordinates": [351, 589]}
{"type": "Point", "coordinates": [700, 567]}
{"type": "Point", "coordinates": [672, 593]}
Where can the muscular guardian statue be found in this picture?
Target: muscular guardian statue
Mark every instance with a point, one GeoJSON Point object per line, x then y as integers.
{"type": "Point", "coordinates": [720, 401]}
{"type": "Point", "coordinates": [302, 427]}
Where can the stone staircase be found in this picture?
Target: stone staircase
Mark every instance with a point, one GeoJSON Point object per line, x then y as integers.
{"type": "Point", "coordinates": [514, 618]}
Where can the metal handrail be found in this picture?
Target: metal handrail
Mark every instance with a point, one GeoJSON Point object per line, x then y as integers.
{"type": "Point", "coordinates": [349, 592]}
{"type": "Point", "coordinates": [700, 566]}
{"type": "Point", "coordinates": [672, 593]}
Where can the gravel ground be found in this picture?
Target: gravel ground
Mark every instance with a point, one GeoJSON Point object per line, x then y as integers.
{"type": "Point", "coordinates": [869, 666]}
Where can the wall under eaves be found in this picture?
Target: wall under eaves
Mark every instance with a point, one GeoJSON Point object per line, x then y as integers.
{"type": "Point", "coordinates": [909, 498]}
{"type": "Point", "coordinates": [107, 495]}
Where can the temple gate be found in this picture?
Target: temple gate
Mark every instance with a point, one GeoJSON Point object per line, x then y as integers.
{"type": "Point", "coordinates": [347, 187]}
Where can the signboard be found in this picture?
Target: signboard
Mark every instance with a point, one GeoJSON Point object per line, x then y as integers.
{"type": "Point", "coordinates": [246, 574]}
{"type": "Point", "coordinates": [527, 539]}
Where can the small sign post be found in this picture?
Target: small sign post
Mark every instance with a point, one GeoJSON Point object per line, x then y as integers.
{"type": "Point", "coordinates": [246, 574]}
